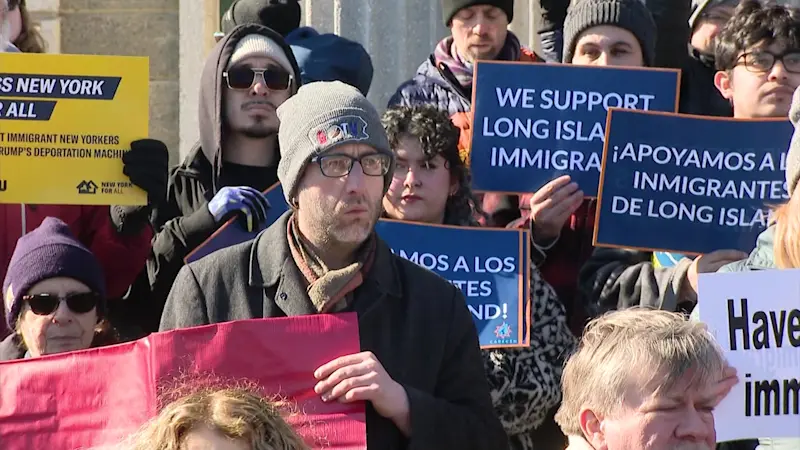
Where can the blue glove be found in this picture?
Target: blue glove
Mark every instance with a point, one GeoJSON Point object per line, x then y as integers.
{"type": "Point", "coordinates": [243, 201]}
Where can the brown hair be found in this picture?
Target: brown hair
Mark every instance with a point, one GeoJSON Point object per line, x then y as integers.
{"type": "Point", "coordinates": [29, 39]}
{"type": "Point", "coordinates": [239, 413]}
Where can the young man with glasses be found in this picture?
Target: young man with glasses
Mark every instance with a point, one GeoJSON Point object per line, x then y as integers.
{"type": "Point", "coordinates": [758, 59]}
{"type": "Point", "coordinates": [248, 75]}
{"type": "Point", "coordinates": [420, 366]}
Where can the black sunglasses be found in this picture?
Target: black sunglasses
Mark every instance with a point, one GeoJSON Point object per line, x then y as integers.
{"type": "Point", "coordinates": [46, 304]}
{"type": "Point", "coordinates": [242, 78]}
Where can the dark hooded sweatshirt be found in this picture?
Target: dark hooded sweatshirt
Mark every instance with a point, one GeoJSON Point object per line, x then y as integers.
{"type": "Point", "coordinates": [183, 222]}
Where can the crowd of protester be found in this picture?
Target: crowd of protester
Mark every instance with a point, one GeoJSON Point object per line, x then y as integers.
{"type": "Point", "coordinates": [613, 332]}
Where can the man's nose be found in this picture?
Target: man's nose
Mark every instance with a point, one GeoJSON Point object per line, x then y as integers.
{"type": "Point", "coordinates": [695, 426]}
{"type": "Point", "coordinates": [259, 86]}
{"type": "Point", "coordinates": [356, 178]}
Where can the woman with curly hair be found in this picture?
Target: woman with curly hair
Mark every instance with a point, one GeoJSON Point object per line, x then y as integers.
{"type": "Point", "coordinates": [428, 160]}
{"type": "Point", "coordinates": [24, 32]}
{"type": "Point", "coordinates": [234, 418]}
{"type": "Point", "coordinates": [431, 184]}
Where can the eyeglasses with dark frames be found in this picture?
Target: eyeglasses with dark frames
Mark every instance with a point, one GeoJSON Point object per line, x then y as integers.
{"type": "Point", "coordinates": [760, 61]}
{"type": "Point", "coordinates": [339, 165]}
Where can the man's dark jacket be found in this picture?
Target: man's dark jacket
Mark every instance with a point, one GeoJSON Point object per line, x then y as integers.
{"type": "Point", "coordinates": [182, 221]}
{"type": "Point", "coordinates": [415, 322]}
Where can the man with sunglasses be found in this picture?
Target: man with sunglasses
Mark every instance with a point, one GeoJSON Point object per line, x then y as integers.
{"type": "Point", "coordinates": [247, 76]}
{"type": "Point", "coordinates": [420, 369]}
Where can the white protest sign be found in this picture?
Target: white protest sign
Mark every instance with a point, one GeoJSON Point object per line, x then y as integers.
{"type": "Point", "coordinates": [755, 317]}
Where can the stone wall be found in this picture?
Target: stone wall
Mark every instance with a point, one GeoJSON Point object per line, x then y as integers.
{"type": "Point", "coordinates": [177, 35]}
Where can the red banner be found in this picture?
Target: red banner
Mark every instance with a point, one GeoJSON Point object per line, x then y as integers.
{"type": "Point", "coordinates": [99, 396]}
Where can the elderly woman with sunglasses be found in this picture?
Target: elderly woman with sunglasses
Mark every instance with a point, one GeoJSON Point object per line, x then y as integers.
{"type": "Point", "coordinates": [54, 292]}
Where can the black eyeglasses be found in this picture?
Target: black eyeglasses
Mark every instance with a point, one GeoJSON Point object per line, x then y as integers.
{"type": "Point", "coordinates": [243, 78]}
{"type": "Point", "coordinates": [46, 304]}
{"type": "Point", "coordinates": [337, 165]}
{"type": "Point", "coordinates": [762, 61]}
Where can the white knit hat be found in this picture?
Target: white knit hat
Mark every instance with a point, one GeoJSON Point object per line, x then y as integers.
{"type": "Point", "coordinates": [258, 44]}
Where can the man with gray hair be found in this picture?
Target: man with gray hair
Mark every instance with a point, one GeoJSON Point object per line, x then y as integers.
{"type": "Point", "coordinates": [420, 368]}
{"type": "Point", "coordinates": [644, 379]}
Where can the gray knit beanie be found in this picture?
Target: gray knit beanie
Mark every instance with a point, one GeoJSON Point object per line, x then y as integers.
{"type": "Point", "coordinates": [631, 15]}
{"type": "Point", "coordinates": [319, 118]}
{"type": "Point", "coordinates": [793, 157]}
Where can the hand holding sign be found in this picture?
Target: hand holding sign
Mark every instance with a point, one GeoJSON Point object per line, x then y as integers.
{"type": "Point", "coordinates": [243, 200]}
{"type": "Point", "coordinates": [361, 377]}
{"type": "Point", "coordinates": [708, 263]}
{"type": "Point", "coordinates": [551, 206]}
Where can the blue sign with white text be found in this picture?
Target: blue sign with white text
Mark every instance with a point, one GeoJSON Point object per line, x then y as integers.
{"type": "Point", "coordinates": [536, 122]}
{"type": "Point", "coordinates": [233, 233]}
{"type": "Point", "coordinates": [490, 266]}
{"type": "Point", "coordinates": [690, 184]}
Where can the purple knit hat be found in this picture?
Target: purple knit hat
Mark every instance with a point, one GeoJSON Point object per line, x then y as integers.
{"type": "Point", "coordinates": [49, 251]}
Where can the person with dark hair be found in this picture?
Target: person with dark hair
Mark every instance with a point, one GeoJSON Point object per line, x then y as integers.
{"type": "Point", "coordinates": [684, 30]}
{"type": "Point", "coordinates": [54, 293]}
{"type": "Point", "coordinates": [431, 184]}
{"type": "Point", "coordinates": [425, 143]}
{"type": "Point", "coordinates": [247, 76]}
{"type": "Point", "coordinates": [758, 56]}
{"type": "Point", "coordinates": [478, 31]}
{"type": "Point", "coordinates": [758, 59]}
{"type": "Point", "coordinates": [321, 57]}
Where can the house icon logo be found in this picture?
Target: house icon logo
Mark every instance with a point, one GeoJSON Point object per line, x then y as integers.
{"type": "Point", "coordinates": [87, 187]}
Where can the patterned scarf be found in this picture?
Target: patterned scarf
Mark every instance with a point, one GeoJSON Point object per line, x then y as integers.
{"type": "Point", "coordinates": [329, 290]}
{"type": "Point", "coordinates": [446, 53]}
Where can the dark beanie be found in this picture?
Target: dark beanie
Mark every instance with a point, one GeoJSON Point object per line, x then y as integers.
{"type": "Point", "coordinates": [283, 16]}
{"type": "Point", "coordinates": [451, 7]}
{"type": "Point", "coordinates": [49, 251]}
{"type": "Point", "coordinates": [631, 15]}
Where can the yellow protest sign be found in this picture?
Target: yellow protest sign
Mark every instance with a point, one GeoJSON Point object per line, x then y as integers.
{"type": "Point", "coordinates": [65, 122]}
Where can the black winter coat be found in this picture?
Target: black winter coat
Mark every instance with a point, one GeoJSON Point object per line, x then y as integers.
{"type": "Point", "coordinates": [415, 322]}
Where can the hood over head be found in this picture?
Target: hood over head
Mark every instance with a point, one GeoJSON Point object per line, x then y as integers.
{"type": "Point", "coordinates": [212, 87]}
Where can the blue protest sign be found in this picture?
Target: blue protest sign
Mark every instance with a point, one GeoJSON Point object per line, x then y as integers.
{"type": "Point", "coordinates": [233, 233]}
{"type": "Point", "coordinates": [492, 272]}
{"type": "Point", "coordinates": [689, 184]}
{"type": "Point", "coordinates": [535, 122]}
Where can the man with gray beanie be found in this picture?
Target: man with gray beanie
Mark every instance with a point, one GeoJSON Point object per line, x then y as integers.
{"type": "Point", "coordinates": [420, 370]}
{"type": "Point", "coordinates": [247, 76]}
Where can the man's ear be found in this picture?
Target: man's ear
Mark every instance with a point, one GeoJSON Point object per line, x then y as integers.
{"type": "Point", "coordinates": [593, 430]}
{"type": "Point", "coordinates": [724, 83]}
